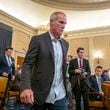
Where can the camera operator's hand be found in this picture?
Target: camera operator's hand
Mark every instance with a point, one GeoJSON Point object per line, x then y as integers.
{"type": "Point", "coordinates": [77, 71]}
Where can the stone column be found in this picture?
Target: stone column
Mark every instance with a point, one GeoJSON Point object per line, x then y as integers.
{"type": "Point", "coordinates": [91, 53]}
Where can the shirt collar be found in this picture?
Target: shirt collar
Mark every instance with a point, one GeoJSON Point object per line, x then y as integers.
{"type": "Point", "coordinates": [98, 76]}
{"type": "Point", "coordinates": [53, 38]}
{"type": "Point", "coordinates": [79, 59]}
{"type": "Point", "coordinates": [7, 56]}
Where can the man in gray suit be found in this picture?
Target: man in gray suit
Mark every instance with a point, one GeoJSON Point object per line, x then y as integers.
{"type": "Point", "coordinates": [43, 74]}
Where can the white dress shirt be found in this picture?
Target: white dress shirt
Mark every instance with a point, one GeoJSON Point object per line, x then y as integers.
{"type": "Point", "coordinates": [57, 90]}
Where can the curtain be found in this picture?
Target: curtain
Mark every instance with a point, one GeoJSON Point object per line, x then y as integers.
{"type": "Point", "coordinates": [5, 37]}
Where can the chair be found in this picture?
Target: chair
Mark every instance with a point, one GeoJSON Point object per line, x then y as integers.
{"type": "Point", "coordinates": [97, 104]}
{"type": "Point", "coordinates": [13, 95]}
{"type": "Point", "coordinates": [3, 88]}
{"type": "Point", "coordinates": [14, 88]}
{"type": "Point", "coordinates": [106, 89]}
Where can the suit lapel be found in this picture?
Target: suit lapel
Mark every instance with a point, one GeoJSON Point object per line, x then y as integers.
{"type": "Point", "coordinates": [5, 60]}
{"type": "Point", "coordinates": [77, 66]}
{"type": "Point", "coordinates": [95, 80]}
{"type": "Point", "coordinates": [49, 44]}
{"type": "Point", "coordinates": [63, 48]}
{"type": "Point", "coordinates": [84, 63]}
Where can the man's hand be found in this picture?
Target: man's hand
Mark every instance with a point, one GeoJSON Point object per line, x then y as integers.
{"type": "Point", "coordinates": [5, 74]}
{"type": "Point", "coordinates": [13, 78]}
{"type": "Point", "coordinates": [102, 93]}
{"type": "Point", "coordinates": [27, 96]}
{"type": "Point", "coordinates": [77, 71]}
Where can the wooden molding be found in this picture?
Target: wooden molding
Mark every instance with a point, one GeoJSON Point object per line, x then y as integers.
{"type": "Point", "coordinates": [92, 32]}
{"type": "Point", "coordinates": [15, 23]}
{"type": "Point", "coordinates": [75, 4]}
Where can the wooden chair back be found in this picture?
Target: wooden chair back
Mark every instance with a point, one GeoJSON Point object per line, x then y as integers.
{"type": "Point", "coordinates": [3, 87]}
{"type": "Point", "coordinates": [106, 90]}
{"type": "Point", "coordinates": [97, 104]}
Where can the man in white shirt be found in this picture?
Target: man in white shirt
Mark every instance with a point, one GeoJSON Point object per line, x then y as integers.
{"type": "Point", "coordinates": [43, 76]}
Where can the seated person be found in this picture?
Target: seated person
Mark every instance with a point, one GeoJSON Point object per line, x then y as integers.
{"type": "Point", "coordinates": [105, 75]}
{"type": "Point", "coordinates": [96, 83]}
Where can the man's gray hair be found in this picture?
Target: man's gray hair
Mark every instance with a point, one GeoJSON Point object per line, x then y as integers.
{"type": "Point", "coordinates": [55, 14]}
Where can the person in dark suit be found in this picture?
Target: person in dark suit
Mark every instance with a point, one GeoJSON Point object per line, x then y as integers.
{"type": "Point", "coordinates": [96, 83]}
{"type": "Point", "coordinates": [105, 75]}
{"type": "Point", "coordinates": [69, 91]}
{"type": "Point", "coordinates": [43, 76]}
{"type": "Point", "coordinates": [7, 64]}
{"type": "Point", "coordinates": [79, 70]}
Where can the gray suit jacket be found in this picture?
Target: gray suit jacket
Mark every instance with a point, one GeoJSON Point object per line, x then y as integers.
{"type": "Point", "coordinates": [38, 68]}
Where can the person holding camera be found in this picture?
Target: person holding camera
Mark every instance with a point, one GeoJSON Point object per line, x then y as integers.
{"type": "Point", "coordinates": [79, 70]}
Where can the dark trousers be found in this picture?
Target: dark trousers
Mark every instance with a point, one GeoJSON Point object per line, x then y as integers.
{"type": "Point", "coordinates": [48, 107]}
{"type": "Point", "coordinates": [59, 105]}
{"type": "Point", "coordinates": [83, 91]}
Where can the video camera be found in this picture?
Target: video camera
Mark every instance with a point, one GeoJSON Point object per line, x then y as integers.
{"type": "Point", "coordinates": [82, 74]}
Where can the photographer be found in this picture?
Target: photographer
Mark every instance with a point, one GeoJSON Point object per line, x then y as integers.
{"type": "Point", "coordinates": [79, 70]}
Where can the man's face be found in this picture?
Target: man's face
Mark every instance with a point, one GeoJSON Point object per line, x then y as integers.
{"type": "Point", "coordinates": [9, 52]}
{"type": "Point", "coordinates": [81, 53]}
{"type": "Point", "coordinates": [57, 25]}
{"type": "Point", "coordinates": [98, 71]}
{"type": "Point", "coordinates": [68, 59]}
